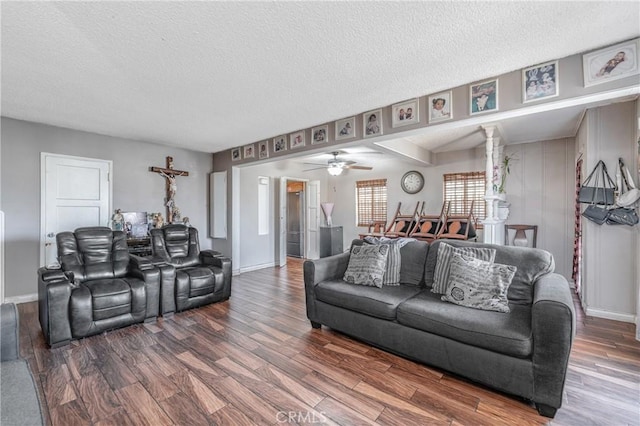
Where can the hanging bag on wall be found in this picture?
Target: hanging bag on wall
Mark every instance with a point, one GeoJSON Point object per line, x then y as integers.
{"type": "Point", "coordinates": [623, 212]}
{"type": "Point", "coordinates": [622, 216]}
{"type": "Point", "coordinates": [596, 214]}
{"type": "Point", "coordinates": [601, 190]}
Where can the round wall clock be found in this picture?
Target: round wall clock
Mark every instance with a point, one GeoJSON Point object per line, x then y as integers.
{"type": "Point", "coordinates": [412, 182]}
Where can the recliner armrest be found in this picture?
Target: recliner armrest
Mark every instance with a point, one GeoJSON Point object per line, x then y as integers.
{"type": "Point", "coordinates": [139, 262]}
{"type": "Point", "coordinates": [206, 255]}
{"type": "Point", "coordinates": [54, 292]}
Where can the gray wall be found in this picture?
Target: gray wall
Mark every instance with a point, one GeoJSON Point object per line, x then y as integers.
{"type": "Point", "coordinates": [134, 187]}
{"type": "Point", "coordinates": [610, 253]}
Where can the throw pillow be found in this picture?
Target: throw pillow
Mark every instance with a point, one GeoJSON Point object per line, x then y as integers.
{"type": "Point", "coordinates": [392, 270]}
{"type": "Point", "coordinates": [443, 263]}
{"type": "Point", "coordinates": [479, 284]}
{"type": "Point", "coordinates": [367, 265]}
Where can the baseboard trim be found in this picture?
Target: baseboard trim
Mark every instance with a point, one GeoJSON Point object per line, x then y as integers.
{"type": "Point", "coordinates": [256, 267]}
{"type": "Point", "coordinates": [616, 316]}
{"type": "Point", "coordinates": [22, 299]}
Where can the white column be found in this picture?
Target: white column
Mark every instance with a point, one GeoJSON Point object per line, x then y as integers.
{"type": "Point", "coordinates": [493, 223]}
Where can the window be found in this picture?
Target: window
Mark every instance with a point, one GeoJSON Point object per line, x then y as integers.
{"type": "Point", "coordinates": [371, 201]}
{"type": "Point", "coordinates": [464, 188]}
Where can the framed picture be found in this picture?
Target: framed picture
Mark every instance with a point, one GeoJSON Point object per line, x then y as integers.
{"type": "Point", "coordinates": [346, 128]}
{"type": "Point", "coordinates": [280, 143]}
{"type": "Point", "coordinates": [540, 82]}
{"type": "Point", "coordinates": [235, 154]}
{"type": "Point", "coordinates": [372, 123]}
{"type": "Point", "coordinates": [484, 97]}
{"type": "Point", "coordinates": [263, 149]}
{"type": "Point", "coordinates": [405, 113]}
{"type": "Point", "coordinates": [611, 63]}
{"type": "Point", "coordinates": [297, 139]}
{"type": "Point", "coordinates": [440, 107]}
{"type": "Point", "coordinates": [248, 151]}
{"type": "Point", "coordinates": [319, 134]}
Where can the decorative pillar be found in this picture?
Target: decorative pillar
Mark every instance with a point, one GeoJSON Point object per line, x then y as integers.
{"type": "Point", "coordinates": [495, 217]}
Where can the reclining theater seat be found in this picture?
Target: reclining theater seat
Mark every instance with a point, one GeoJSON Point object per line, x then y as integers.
{"type": "Point", "coordinates": [99, 287]}
{"type": "Point", "coordinates": [201, 277]}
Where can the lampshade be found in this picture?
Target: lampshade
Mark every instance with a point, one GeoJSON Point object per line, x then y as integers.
{"type": "Point", "coordinates": [334, 170]}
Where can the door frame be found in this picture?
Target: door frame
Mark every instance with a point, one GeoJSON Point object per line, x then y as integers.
{"type": "Point", "coordinates": [43, 195]}
{"type": "Point", "coordinates": [282, 218]}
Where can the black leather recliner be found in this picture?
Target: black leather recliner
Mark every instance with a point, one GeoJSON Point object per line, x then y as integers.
{"type": "Point", "coordinates": [197, 277]}
{"type": "Point", "coordinates": [99, 287]}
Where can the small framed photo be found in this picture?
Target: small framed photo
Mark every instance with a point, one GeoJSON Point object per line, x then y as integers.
{"type": "Point", "coordinates": [405, 113]}
{"type": "Point", "coordinates": [440, 107]}
{"type": "Point", "coordinates": [263, 149]}
{"type": "Point", "coordinates": [372, 123]}
{"type": "Point", "coordinates": [319, 134]}
{"type": "Point", "coordinates": [611, 63]}
{"type": "Point", "coordinates": [297, 139]}
{"type": "Point", "coordinates": [346, 128]}
{"type": "Point", "coordinates": [484, 97]}
{"type": "Point", "coordinates": [235, 154]}
{"type": "Point", "coordinates": [280, 143]}
{"type": "Point", "coordinates": [540, 82]}
{"type": "Point", "coordinates": [249, 151]}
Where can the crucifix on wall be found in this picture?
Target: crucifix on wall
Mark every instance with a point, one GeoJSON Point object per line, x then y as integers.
{"type": "Point", "coordinates": [170, 174]}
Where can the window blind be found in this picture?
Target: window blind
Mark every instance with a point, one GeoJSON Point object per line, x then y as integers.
{"type": "Point", "coordinates": [371, 201]}
{"type": "Point", "coordinates": [461, 189]}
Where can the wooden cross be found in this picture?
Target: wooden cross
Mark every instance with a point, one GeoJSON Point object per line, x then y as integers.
{"type": "Point", "coordinates": [170, 174]}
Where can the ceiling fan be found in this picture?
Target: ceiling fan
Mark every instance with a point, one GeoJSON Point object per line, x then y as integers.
{"type": "Point", "coordinates": [335, 166]}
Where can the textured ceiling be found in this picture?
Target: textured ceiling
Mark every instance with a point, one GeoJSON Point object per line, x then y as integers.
{"type": "Point", "coordinates": [214, 75]}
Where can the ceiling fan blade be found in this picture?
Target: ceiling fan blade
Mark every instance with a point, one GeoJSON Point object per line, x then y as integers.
{"type": "Point", "coordinates": [348, 163]}
{"type": "Point", "coordinates": [359, 167]}
{"type": "Point", "coordinates": [315, 168]}
{"type": "Point", "coordinates": [315, 164]}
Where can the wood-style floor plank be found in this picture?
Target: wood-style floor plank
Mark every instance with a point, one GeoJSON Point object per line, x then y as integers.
{"type": "Point", "coordinates": [256, 360]}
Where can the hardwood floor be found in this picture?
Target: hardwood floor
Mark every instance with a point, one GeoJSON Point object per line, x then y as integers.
{"type": "Point", "coordinates": [256, 360]}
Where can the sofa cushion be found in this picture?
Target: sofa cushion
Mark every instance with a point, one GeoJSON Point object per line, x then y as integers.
{"type": "Point", "coordinates": [367, 265]}
{"type": "Point", "coordinates": [110, 298]}
{"type": "Point", "coordinates": [507, 333]}
{"type": "Point", "coordinates": [377, 302]}
{"type": "Point", "coordinates": [531, 263]}
{"type": "Point", "coordinates": [443, 263]}
{"type": "Point", "coordinates": [479, 284]}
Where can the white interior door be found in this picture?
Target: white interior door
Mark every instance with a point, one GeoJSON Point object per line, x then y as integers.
{"type": "Point", "coordinates": [75, 192]}
{"type": "Point", "coordinates": [313, 220]}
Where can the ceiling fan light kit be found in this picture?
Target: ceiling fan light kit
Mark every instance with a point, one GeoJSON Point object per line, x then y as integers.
{"type": "Point", "coordinates": [335, 166]}
{"type": "Point", "coordinates": [335, 169]}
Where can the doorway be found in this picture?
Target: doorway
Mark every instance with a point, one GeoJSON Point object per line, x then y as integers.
{"type": "Point", "coordinates": [295, 222]}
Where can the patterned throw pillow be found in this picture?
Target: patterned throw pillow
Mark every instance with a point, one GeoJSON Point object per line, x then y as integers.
{"type": "Point", "coordinates": [445, 253]}
{"type": "Point", "coordinates": [479, 284]}
{"type": "Point", "coordinates": [367, 265]}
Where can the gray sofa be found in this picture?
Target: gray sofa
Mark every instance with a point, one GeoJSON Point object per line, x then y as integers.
{"type": "Point", "coordinates": [524, 352]}
{"type": "Point", "coordinates": [19, 404]}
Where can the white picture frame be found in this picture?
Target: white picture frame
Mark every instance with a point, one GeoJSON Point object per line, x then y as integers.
{"type": "Point", "coordinates": [540, 82]}
{"type": "Point", "coordinates": [236, 154]}
{"type": "Point", "coordinates": [372, 123]}
{"type": "Point", "coordinates": [405, 113]}
{"type": "Point", "coordinates": [249, 151]}
{"type": "Point", "coordinates": [345, 128]}
{"type": "Point", "coordinates": [296, 139]}
{"type": "Point", "coordinates": [280, 143]}
{"type": "Point", "coordinates": [263, 150]}
{"type": "Point", "coordinates": [604, 65]}
{"type": "Point", "coordinates": [440, 106]}
{"type": "Point", "coordinates": [319, 134]}
{"type": "Point", "coordinates": [483, 97]}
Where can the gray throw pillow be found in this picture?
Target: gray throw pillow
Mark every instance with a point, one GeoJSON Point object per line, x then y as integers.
{"type": "Point", "coordinates": [367, 265]}
{"type": "Point", "coordinates": [479, 284]}
{"type": "Point", "coordinates": [392, 270]}
{"type": "Point", "coordinates": [443, 263]}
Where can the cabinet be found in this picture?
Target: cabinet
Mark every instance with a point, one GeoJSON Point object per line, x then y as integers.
{"type": "Point", "coordinates": [330, 240]}
{"type": "Point", "coordinates": [139, 246]}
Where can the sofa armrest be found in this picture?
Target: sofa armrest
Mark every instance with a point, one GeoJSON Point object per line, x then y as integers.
{"type": "Point", "coordinates": [139, 262]}
{"type": "Point", "coordinates": [554, 325]}
{"type": "Point", "coordinates": [209, 254]}
{"type": "Point", "coordinates": [318, 270]}
{"type": "Point", "coordinates": [54, 293]}
{"type": "Point", "coordinates": [9, 343]}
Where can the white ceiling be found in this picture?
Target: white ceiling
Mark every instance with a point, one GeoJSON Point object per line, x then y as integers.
{"type": "Point", "coordinates": [214, 75]}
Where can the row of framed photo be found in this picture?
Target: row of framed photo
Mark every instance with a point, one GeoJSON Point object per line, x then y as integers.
{"type": "Point", "coordinates": [538, 82]}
